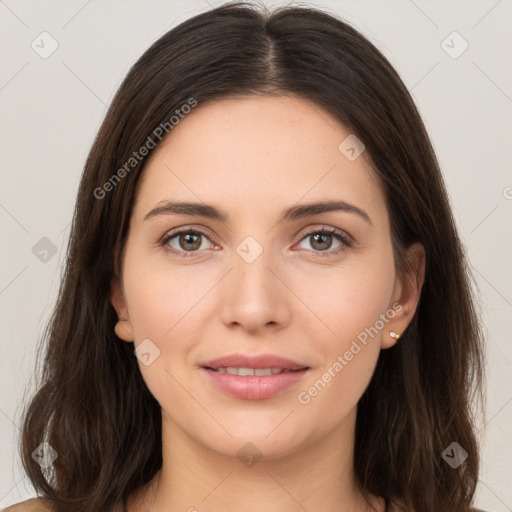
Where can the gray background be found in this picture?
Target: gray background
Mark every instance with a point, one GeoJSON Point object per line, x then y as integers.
{"type": "Point", "coordinates": [51, 109]}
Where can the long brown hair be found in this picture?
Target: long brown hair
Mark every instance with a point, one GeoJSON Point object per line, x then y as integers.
{"type": "Point", "coordinates": [92, 405]}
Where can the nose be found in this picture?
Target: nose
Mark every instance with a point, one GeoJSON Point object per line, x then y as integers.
{"type": "Point", "coordinates": [254, 296]}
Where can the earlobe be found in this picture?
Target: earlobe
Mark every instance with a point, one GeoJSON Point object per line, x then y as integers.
{"type": "Point", "coordinates": [123, 328]}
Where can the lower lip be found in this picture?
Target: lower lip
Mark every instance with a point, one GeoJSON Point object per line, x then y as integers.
{"type": "Point", "coordinates": [254, 387]}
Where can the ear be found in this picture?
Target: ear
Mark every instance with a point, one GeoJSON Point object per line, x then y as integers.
{"type": "Point", "coordinates": [407, 293]}
{"type": "Point", "coordinates": [123, 327]}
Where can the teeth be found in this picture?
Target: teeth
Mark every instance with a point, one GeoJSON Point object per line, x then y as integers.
{"type": "Point", "coordinates": [266, 371]}
{"type": "Point", "coordinates": [247, 372]}
{"type": "Point", "coordinates": [244, 372]}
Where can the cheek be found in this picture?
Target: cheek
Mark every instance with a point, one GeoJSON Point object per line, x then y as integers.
{"type": "Point", "coordinates": [171, 310]}
{"type": "Point", "coordinates": [344, 302]}
{"type": "Point", "coordinates": [161, 301]}
{"type": "Point", "coordinates": [166, 310]}
{"type": "Point", "coordinates": [348, 341]}
{"type": "Point", "coordinates": [346, 328]}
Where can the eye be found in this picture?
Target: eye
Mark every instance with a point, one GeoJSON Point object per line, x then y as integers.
{"type": "Point", "coordinates": [322, 241]}
{"type": "Point", "coordinates": [187, 241]}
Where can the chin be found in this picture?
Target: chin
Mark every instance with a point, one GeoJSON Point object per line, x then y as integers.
{"type": "Point", "coordinates": [255, 445]}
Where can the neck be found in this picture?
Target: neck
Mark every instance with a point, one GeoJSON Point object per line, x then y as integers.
{"type": "Point", "coordinates": [319, 476]}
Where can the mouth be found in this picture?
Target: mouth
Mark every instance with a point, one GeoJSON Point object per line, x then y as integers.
{"type": "Point", "coordinates": [253, 377]}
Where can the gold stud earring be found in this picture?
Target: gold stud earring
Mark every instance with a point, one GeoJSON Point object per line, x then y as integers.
{"type": "Point", "coordinates": [393, 334]}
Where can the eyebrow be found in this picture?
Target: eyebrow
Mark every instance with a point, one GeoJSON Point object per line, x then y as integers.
{"type": "Point", "coordinates": [288, 214]}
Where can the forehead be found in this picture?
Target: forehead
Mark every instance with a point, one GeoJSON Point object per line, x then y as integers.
{"type": "Point", "coordinates": [256, 152]}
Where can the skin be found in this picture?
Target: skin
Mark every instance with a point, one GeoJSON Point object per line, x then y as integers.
{"type": "Point", "coordinates": [253, 157]}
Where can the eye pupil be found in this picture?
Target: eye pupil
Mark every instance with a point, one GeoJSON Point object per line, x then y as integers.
{"type": "Point", "coordinates": [315, 238]}
{"type": "Point", "coordinates": [186, 238]}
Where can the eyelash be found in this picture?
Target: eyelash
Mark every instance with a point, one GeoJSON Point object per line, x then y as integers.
{"type": "Point", "coordinates": [342, 237]}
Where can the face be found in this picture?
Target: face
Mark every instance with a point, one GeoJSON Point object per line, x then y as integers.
{"type": "Point", "coordinates": [257, 282]}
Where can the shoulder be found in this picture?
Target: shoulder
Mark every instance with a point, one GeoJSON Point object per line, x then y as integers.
{"type": "Point", "coordinates": [32, 505]}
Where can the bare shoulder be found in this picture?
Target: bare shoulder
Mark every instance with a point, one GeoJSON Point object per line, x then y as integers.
{"type": "Point", "coordinates": [32, 505]}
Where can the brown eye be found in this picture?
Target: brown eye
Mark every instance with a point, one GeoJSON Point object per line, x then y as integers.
{"type": "Point", "coordinates": [322, 240]}
{"type": "Point", "coordinates": [189, 241]}
{"type": "Point", "coordinates": [185, 242]}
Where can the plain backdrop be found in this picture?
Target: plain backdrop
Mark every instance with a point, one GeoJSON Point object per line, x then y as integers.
{"type": "Point", "coordinates": [52, 107]}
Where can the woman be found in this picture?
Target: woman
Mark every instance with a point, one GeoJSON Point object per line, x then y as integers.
{"type": "Point", "coordinates": [266, 303]}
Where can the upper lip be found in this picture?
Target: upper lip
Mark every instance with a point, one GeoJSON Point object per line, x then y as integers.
{"type": "Point", "coordinates": [261, 361]}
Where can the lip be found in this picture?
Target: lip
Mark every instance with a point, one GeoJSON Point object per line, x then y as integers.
{"type": "Point", "coordinates": [254, 387]}
{"type": "Point", "coordinates": [261, 361]}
